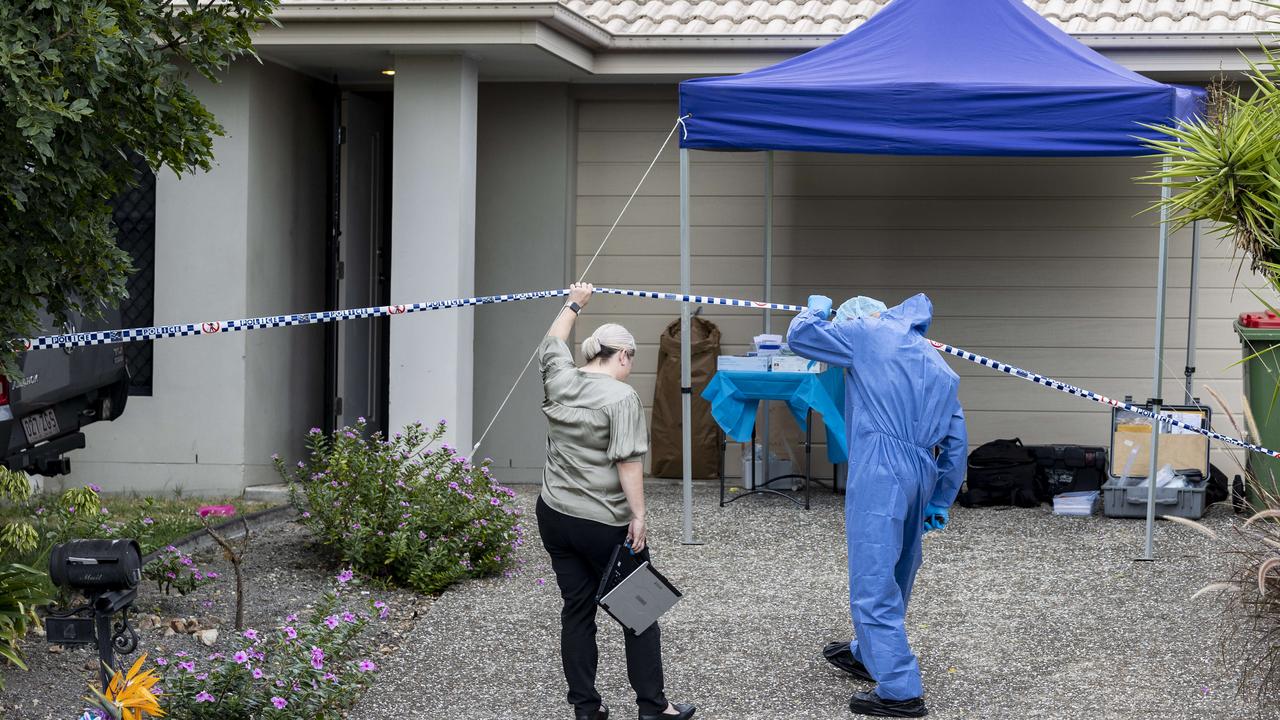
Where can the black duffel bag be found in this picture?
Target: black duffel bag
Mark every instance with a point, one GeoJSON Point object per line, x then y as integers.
{"type": "Point", "coordinates": [1069, 468]}
{"type": "Point", "coordinates": [1001, 472]}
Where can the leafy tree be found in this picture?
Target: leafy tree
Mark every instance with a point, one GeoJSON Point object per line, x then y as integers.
{"type": "Point", "coordinates": [83, 83]}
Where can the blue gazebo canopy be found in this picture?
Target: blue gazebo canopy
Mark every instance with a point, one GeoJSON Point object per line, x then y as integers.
{"type": "Point", "coordinates": [938, 77]}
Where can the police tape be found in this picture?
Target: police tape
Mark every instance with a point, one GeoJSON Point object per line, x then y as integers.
{"type": "Point", "coordinates": [105, 337]}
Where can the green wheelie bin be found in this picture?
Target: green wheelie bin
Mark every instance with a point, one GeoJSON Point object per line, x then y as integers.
{"type": "Point", "coordinates": [1259, 333]}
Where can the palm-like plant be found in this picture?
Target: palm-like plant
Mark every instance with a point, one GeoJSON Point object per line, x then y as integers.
{"type": "Point", "coordinates": [1251, 629]}
{"type": "Point", "coordinates": [1252, 593]}
{"type": "Point", "coordinates": [1224, 168]}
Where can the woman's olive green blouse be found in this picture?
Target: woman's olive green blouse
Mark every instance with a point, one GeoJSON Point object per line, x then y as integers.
{"type": "Point", "coordinates": [594, 422]}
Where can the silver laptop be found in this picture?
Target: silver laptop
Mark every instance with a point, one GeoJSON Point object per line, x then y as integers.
{"type": "Point", "coordinates": [639, 599]}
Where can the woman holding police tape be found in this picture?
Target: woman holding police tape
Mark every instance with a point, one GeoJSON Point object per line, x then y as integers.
{"type": "Point", "coordinates": [592, 500]}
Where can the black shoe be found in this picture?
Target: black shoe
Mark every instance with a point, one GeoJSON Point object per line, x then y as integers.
{"type": "Point", "coordinates": [869, 703]}
{"type": "Point", "coordinates": [601, 713]}
{"type": "Point", "coordinates": [839, 654]}
{"type": "Point", "coordinates": [685, 711]}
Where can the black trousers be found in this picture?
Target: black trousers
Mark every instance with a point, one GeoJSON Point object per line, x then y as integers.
{"type": "Point", "coordinates": [580, 551]}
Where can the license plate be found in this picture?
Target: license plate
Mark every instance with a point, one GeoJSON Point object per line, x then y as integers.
{"type": "Point", "coordinates": [40, 427]}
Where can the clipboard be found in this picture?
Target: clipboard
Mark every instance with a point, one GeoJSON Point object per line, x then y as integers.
{"type": "Point", "coordinates": [633, 592]}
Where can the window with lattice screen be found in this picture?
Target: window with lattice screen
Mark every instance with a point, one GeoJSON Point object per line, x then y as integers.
{"type": "Point", "coordinates": [135, 219]}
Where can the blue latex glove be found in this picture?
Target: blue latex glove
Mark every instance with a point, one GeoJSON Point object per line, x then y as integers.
{"type": "Point", "coordinates": [820, 305]}
{"type": "Point", "coordinates": [936, 517]}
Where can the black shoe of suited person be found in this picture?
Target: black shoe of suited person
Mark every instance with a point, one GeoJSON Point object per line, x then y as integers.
{"type": "Point", "coordinates": [838, 654]}
{"type": "Point", "coordinates": [869, 703]}
{"type": "Point", "coordinates": [683, 712]}
{"type": "Point", "coordinates": [601, 713]}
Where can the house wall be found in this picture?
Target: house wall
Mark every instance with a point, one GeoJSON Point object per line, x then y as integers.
{"type": "Point", "coordinates": [287, 229]}
{"type": "Point", "coordinates": [523, 201]}
{"type": "Point", "coordinates": [244, 239]}
{"type": "Point", "coordinates": [1048, 264]}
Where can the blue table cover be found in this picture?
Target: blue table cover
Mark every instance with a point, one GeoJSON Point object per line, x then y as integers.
{"type": "Point", "coordinates": [735, 396]}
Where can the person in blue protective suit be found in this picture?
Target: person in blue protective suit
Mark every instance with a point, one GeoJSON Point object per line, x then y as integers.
{"type": "Point", "coordinates": [907, 457]}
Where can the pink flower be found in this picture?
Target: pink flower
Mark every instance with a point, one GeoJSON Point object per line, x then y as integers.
{"type": "Point", "coordinates": [348, 618]}
{"type": "Point", "coordinates": [345, 576]}
{"type": "Point", "coordinates": [241, 657]}
{"type": "Point", "coordinates": [382, 610]}
{"type": "Point", "coordinates": [251, 634]}
{"type": "Point", "coordinates": [367, 666]}
{"type": "Point", "coordinates": [279, 702]}
{"type": "Point", "coordinates": [257, 673]}
{"type": "Point", "coordinates": [95, 488]}
{"type": "Point", "coordinates": [204, 697]}
{"type": "Point", "coordinates": [211, 575]}
{"type": "Point", "coordinates": [161, 661]}
{"type": "Point", "coordinates": [317, 658]}
{"type": "Point", "coordinates": [188, 666]}
{"type": "Point", "coordinates": [291, 633]}
{"type": "Point", "coordinates": [331, 622]}
{"type": "Point", "coordinates": [216, 510]}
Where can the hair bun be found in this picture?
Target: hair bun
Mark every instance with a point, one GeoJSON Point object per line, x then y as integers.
{"type": "Point", "coordinates": [591, 347]}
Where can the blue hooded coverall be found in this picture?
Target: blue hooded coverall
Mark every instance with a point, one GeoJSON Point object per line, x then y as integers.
{"type": "Point", "coordinates": [900, 404]}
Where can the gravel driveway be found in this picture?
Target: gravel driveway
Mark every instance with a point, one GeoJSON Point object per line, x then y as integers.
{"type": "Point", "coordinates": [1016, 614]}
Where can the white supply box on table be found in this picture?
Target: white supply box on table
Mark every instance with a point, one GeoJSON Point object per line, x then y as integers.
{"type": "Point", "coordinates": [768, 363]}
{"type": "Point", "coordinates": [741, 363]}
{"type": "Point", "coordinates": [795, 363]}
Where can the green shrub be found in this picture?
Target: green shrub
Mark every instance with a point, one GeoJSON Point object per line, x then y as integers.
{"type": "Point", "coordinates": [174, 570]}
{"type": "Point", "coordinates": [22, 588]}
{"type": "Point", "coordinates": [305, 669]}
{"type": "Point", "coordinates": [404, 509]}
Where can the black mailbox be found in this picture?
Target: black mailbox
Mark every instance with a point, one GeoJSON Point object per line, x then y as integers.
{"type": "Point", "coordinates": [96, 566]}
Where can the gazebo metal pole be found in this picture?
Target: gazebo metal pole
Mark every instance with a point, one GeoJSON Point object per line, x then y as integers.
{"type": "Point", "coordinates": [1192, 312]}
{"type": "Point", "coordinates": [1158, 372]}
{"type": "Point", "coordinates": [768, 293]}
{"type": "Point", "coordinates": [686, 380]}
{"type": "Point", "coordinates": [768, 238]}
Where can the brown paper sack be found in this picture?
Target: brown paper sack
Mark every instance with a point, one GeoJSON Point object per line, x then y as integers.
{"type": "Point", "coordinates": [666, 455]}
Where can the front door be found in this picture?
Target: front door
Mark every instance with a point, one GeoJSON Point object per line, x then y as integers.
{"type": "Point", "coordinates": [363, 254]}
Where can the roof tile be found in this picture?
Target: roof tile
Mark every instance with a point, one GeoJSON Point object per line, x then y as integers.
{"type": "Point", "coordinates": [834, 17]}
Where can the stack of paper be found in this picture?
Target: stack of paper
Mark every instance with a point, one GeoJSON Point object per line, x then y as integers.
{"type": "Point", "coordinates": [1082, 503]}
